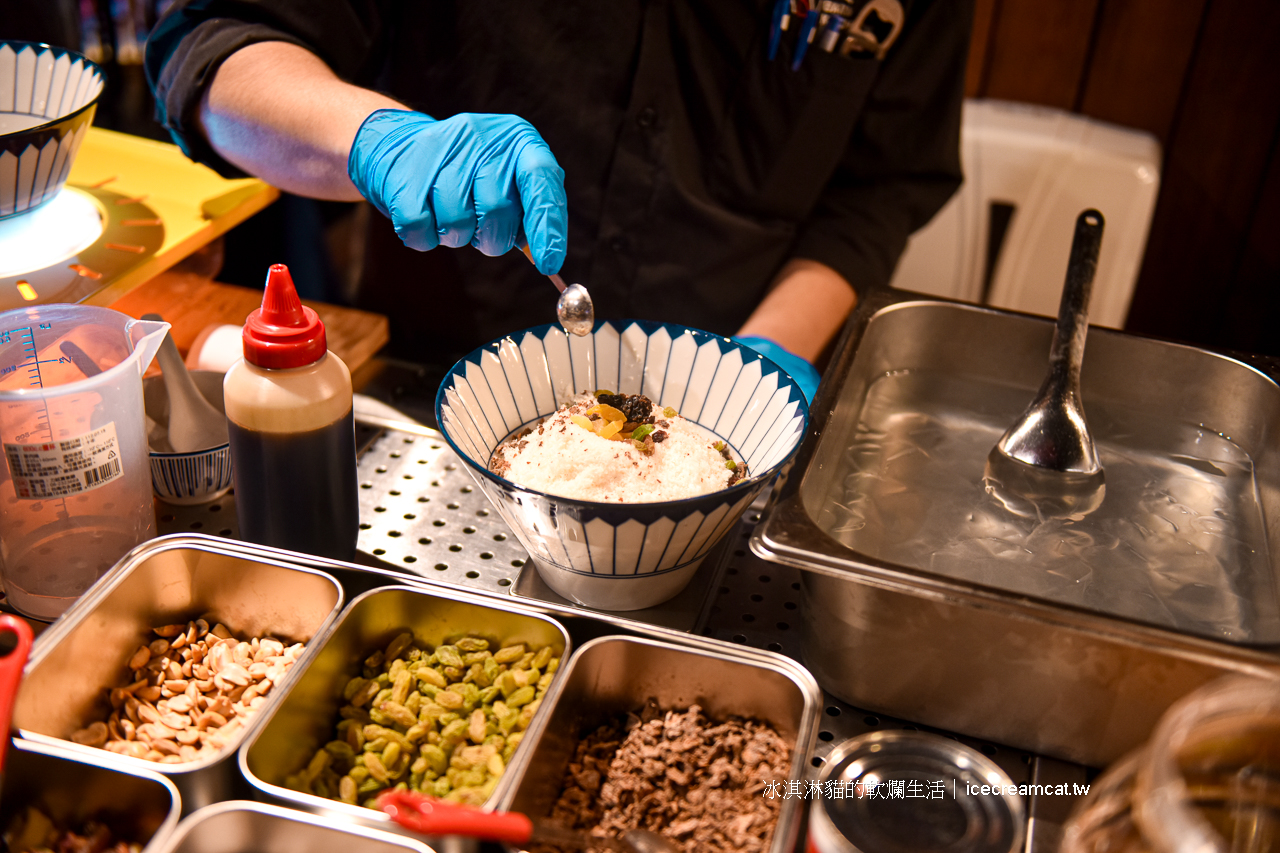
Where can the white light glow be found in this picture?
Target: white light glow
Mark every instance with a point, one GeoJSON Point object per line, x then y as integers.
{"type": "Point", "coordinates": [53, 232]}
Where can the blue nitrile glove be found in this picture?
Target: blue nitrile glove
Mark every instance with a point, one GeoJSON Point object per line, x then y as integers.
{"type": "Point", "coordinates": [487, 180]}
{"type": "Point", "coordinates": [799, 369]}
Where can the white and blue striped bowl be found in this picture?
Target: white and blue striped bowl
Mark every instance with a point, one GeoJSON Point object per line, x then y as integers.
{"type": "Point", "coordinates": [621, 556]}
{"type": "Point", "coordinates": [198, 476]}
{"type": "Point", "coordinates": [47, 100]}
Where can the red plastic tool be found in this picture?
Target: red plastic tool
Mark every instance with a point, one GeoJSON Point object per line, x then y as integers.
{"type": "Point", "coordinates": [429, 816]}
{"type": "Point", "coordinates": [11, 674]}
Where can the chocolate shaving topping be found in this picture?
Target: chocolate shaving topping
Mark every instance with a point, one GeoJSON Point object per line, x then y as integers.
{"type": "Point", "coordinates": [698, 782]}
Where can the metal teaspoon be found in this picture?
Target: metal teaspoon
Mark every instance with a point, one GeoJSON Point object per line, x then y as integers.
{"type": "Point", "coordinates": [574, 309]}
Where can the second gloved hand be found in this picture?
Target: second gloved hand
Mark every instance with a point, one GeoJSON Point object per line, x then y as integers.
{"type": "Point", "coordinates": [487, 180]}
{"type": "Point", "coordinates": [800, 370]}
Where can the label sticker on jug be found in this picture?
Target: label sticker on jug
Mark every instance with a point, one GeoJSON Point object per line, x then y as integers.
{"type": "Point", "coordinates": [69, 466]}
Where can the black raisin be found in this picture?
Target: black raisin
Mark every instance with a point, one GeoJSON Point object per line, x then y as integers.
{"type": "Point", "coordinates": [615, 400]}
{"type": "Point", "coordinates": [636, 407]}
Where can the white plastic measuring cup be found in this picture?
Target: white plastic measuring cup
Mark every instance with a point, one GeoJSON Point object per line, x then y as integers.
{"type": "Point", "coordinates": [75, 489]}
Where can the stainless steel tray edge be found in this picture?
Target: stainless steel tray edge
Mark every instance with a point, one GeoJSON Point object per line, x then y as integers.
{"type": "Point", "coordinates": [357, 579]}
{"type": "Point", "coordinates": [164, 832]}
{"type": "Point", "coordinates": [792, 813]}
{"type": "Point", "coordinates": [206, 779]}
{"type": "Point", "coordinates": [108, 582]}
{"type": "Point", "coordinates": [193, 822]}
{"type": "Point", "coordinates": [376, 820]}
{"type": "Point", "coordinates": [785, 524]}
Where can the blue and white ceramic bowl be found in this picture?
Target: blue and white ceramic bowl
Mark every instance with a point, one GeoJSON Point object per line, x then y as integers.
{"type": "Point", "coordinates": [47, 100]}
{"type": "Point", "coordinates": [612, 556]}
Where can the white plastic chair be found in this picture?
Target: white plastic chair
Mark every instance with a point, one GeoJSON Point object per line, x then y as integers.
{"type": "Point", "coordinates": [1033, 169]}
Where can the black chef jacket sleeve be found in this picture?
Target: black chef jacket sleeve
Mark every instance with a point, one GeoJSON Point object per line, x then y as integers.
{"type": "Point", "coordinates": [196, 36]}
{"type": "Point", "coordinates": [903, 161]}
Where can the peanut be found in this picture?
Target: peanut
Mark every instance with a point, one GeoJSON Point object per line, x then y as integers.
{"type": "Point", "coordinates": [190, 689]}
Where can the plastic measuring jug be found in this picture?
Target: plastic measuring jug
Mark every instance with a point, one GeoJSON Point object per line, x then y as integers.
{"type": "Point", "coordinates": [75, 489]}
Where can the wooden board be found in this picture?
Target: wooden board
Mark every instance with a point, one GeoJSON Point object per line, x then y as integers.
{"type": "Point", "coordinates": [1216, 168]}
{"type": "Point", "coordinates": [984, 13]}
{"type": "Point", "coordinates": [1038, 51]}
{"type": "Point", "coordinates": [1138, 69]}
{"type": "Point", "coordinates": [191, 302]}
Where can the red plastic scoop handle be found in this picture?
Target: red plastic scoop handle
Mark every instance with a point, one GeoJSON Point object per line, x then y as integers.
{"type": "Point", "coordinates": [11, 674]}
{"type": "Point", "coordinates": [436, 817]}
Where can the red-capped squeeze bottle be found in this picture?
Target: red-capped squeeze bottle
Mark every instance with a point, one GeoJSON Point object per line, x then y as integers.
{"type": "Point", "coordinates": [293, 445]}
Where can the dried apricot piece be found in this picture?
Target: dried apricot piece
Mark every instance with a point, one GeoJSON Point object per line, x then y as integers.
{"type": "Point", "coordinates": [609, 413]}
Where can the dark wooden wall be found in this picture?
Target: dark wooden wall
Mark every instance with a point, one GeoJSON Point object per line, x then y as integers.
{"type": "Point", "coordinates": [1203, 76]}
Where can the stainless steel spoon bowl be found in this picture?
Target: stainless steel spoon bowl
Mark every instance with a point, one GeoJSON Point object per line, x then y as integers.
{"type": "Point", "coordinates": [574, 309]}
{"type": "Point", "coordinates": [1046, 458]}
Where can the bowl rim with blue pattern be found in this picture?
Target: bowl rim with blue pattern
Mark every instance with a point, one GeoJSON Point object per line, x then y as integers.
{"type": "Point", "coordinates": [20, 45]}
{"type": "Point", "coordinates": [31, 183]}
{"type": "Point", "coordinates": [753, 478]}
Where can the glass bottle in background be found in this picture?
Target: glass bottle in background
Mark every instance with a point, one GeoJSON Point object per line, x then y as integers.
{"type": "Point", "coordinates": [1208, 779]}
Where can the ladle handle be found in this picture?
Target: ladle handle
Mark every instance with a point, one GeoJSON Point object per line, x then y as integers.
{"type": "Point", "coordinates": [1067, 352]}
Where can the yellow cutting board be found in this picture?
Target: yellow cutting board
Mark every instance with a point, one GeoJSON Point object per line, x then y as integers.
{"type": "Point", "coordinates": [194, 203]}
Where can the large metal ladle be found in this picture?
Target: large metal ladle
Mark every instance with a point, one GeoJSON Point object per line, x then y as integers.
{"type": "Point", "coordinates": [1046, 464]}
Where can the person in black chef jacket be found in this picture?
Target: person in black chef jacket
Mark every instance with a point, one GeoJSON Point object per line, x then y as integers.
{"type": "Point", "coordinates": [675, 156]}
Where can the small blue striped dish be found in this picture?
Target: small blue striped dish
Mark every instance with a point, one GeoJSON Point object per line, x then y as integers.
{"type": "Point", "coordinates": [192, 478]}
{"type": "Point", "coordinates": [621, 556]}
{"type": "Point", "coordinates": [196, 477]}
{"type": "Point", "coordinates": [48, 97]}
